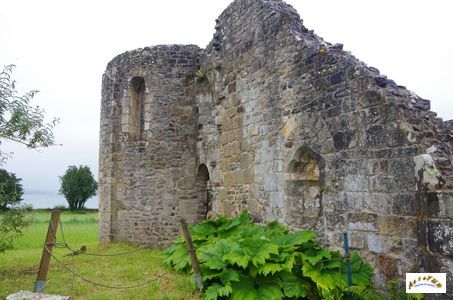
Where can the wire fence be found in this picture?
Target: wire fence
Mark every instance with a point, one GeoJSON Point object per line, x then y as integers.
{"type": "Point", "coordinates": [77, 252]}
{"type": "Point", "coordinates": [64, 244]}
{"type": "Point", "coordinates": [155, 278]}
{"type": "Point", "coordinates": [72, 252]}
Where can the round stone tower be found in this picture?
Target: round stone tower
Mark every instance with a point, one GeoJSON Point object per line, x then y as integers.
{"type": "Point", "coordinates": [147, 144]}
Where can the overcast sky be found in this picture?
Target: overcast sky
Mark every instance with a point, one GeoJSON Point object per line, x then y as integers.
{"type": "Point", "coordinates": [62, 48]}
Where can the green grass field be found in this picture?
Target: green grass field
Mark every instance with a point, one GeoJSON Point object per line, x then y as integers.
{"type": "Point", "coordinates": [18, 267]}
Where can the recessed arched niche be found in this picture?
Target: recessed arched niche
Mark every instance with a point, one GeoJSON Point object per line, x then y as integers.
{"type": "Point", "coordinates": [303, 188]}
{"type": "Point", "coordinates": [202, 191]}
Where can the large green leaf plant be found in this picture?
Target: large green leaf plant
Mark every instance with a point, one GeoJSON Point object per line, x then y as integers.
{"type": "Point", "coordinates": [243, 260]}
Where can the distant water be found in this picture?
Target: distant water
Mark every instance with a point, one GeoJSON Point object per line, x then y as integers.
{"type": "Point", "coordinates": [49, 200]}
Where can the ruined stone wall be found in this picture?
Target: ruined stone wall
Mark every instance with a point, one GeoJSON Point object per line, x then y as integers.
{"type": "Point", "coordinates": [308, 135]}
{"type": "Point", "coordinates": [285, 126]}
{"type": "Point", "coordinates": [283, 98]}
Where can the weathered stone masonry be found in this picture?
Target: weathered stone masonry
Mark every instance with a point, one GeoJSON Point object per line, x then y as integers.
{"type": "Point", "coordinates": [283, 125]}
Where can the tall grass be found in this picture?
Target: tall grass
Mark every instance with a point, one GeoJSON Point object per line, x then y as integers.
{"type": "Point", "coordinates": [18, 267]}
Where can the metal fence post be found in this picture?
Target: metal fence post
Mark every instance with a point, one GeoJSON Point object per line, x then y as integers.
{"type": "Point", "coordinates": [348, 263]}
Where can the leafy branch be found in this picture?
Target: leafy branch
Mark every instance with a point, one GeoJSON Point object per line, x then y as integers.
{"type": "Point", "coordinates": [19, 120]}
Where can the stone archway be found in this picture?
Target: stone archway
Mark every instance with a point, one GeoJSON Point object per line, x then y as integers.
{"type": "Point", "coordinates": [303, 188]}
{"type": "Point", "coordinates": [202, 191]}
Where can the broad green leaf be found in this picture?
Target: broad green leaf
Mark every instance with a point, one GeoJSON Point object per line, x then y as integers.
{"type": "Point", "coordinates": [208, 274]}
{"type": "Point", "coordinates": [239, 293]}
{"type": "Point", "coordinates": [238, 257]}
{"type": "Point", "coordinates": [324, 279]}
{"type": "Point", "coordinates": [233, 226]}
{"type": "Point", "coordinates": [282, 262]}
{"type": "Point", "coordinates": [285, 259]}
{"type": "Point", "coordinates": [244, 290]}
{"type": "Point", "coordinates": [270, 279]}
{"type": "Point", "coordinates": [212, 262]}
{"type": "Point", "coordinates": [252, 270]}
{"type": "Point", "coordinates": [292, 285]}
{"type": "Point", "coordinates": [333, 264]}
{"type": "Point", "coordinates": [210, 258]}
{"type": "Point", "coordinates": [274, 228]}
{"type": "Point", "coordinates": [361, 271]}
{"type": "Point", "coordinates": [259, 249]}
{"type": "Point", "coordinates": [179, 240]}
{"type": "Point", "coordinates": [212, 255]}
{"type": "Point", "coordinates": [179, 258]}
{"type": "Point", "coordinates": [202, 231]}
{"type": "Point", "coordinates": [298, 238]}
{"type": "Point", "coordinates": [217, 290]}
{"type": "Point", "coordinates": [289, 260]}
{"type": "Point", "coordinates": [269, 291]}
{"type": "Point", "coordinates": [228, 276]}
{"type": "Point", "coordinates": [252, 230]}
{"type": "Point", "coordinates": [314, 255]}
{"type": "Point", "coordinates": [254, 250]}
{"type": "Point", "coordinates": [270, 268]}
{"type": "Point", "coordinates": [169, 251]}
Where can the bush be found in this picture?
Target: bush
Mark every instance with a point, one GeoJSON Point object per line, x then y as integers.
{"type": "Point", "coordinates": [12, 224]}
{"type": "Point", "coordinates": [11, 190]}
{"type": "Point", "coordinates": [77, 186]}
{"type": "Point", "coordinates": [242, 260]}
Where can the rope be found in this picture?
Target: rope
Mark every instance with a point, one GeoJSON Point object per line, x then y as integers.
{"type": "Point", "coordinates": [77, 252]}
{"type": "Point", "coordinates": [64, 244]}
{"type": "Point", "coordinates": [102, 255]}
{"type": "Point", "coordinates": [157, 277]}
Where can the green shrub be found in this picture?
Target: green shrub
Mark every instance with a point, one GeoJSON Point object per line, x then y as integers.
{"type": "Point", "coordinates": [243, 260]}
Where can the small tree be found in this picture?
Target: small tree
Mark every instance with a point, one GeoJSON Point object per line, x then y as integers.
{"type": "Point", "coordinates": [11, 190]}
{"type": "Point", "coordinates": [22, 123]}
{"type": "Point", "coordinates": [77, 186]}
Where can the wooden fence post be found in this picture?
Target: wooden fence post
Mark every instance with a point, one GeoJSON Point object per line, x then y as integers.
{"type": "Point", "coordinates": [192, 254]}
{"type": "Point", "coordinates": [46, 253]}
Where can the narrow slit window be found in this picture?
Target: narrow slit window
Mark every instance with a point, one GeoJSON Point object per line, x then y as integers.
{"type": "Point", "coordinates": [136, 108]}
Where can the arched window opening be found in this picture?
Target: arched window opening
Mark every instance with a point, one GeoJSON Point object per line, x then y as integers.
{"type": "Point", "coordinates": [136, 107]}
{"type": "Point", "coordinates": [203, 193]}
{"type": "Point", "coordinates": [303, 188]}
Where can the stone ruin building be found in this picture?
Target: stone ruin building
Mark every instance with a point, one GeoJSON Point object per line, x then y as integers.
{"type": "Point", "coordinates": [272, 119]}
